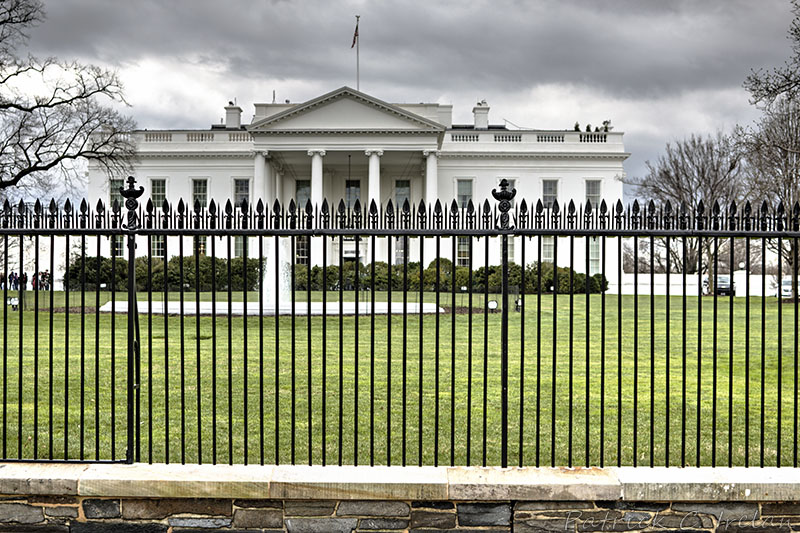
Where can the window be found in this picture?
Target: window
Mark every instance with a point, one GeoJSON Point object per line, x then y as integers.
{"type": "Point", "coordinates": [302, 250]}
{"type": "Point", "coordinates": [199, 196]}
{"type": "Point", "coordinates": [549, 192]}
{"type": "Point", "coordinates": [402, 192]}
{"type": "Point", "coordinates": [117, 245]}
{"type": "Point", "coordinates": [511, 248]}
{"type": "Point", "coordinates": [200, 245]}
{"type": "Point", "coordinates": [463, 195]}
{"type": "Point", "coordinates": [114, 194]}
{"type": "Point", "coordinates": [548, 249]}
{"type": "Point", "coordinates": [593, 192]}
{"type": "Point", "coordinates": [512, 184]}
{"type": "Point", "coordinates": [199, 192]}
{"type": "Point", "coordinates": [593, 196]}
{"type": "Point", "coordinates": [302, 195]}
{"type": "Point", "coordinates": [239, 246]}
{"type": "Point", "coordinates": [463, 192]}
{"type": "Point", "coordinates": [462, 252]}
{"type": "Point", "coordinates": [352, 192]}
{"type": "Point", "coordinates": [117, 241]}
{"type": "Point", "coordinates": [158, 192]}
{"type": "Point", "coordinates": [241, 191]}
{"type": "Point", "coordinates": [158, 245]}
{"type": "Point", "coordinates": [594, 255]}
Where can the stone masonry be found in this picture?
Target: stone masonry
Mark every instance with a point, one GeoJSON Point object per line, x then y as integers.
{"type": "Point", "coordinates": [65, 514]}
{"type": "Point", "coordinates": [170, 498]}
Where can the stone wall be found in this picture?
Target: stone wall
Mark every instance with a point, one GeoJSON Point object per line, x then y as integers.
{"type": "Point", "coordinates": [88, 498]}
{"type": "Point", "coordinates": [65, 514]}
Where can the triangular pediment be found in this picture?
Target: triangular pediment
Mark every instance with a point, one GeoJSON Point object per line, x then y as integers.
{"type": "Point", "coordinates": [345, 110]}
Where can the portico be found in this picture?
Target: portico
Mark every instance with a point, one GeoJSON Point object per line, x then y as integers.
{"type": "Point", "coordinates": [343, 122]}
{"type": "Point", "coordinates": [369, 175]}
{"type": "Point", "coordinates": [327, 173]}
{"type": "Point", "coordinates": [343, 146]}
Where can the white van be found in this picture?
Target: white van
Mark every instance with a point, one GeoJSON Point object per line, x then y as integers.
{"type": "Point", "coordinates": [786, 289]}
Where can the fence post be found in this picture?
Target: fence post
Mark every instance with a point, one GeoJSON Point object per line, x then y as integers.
{"type": "Point", "coordinates": [504, 196]}
{"type": "Point", "coordinates": [131, 195]}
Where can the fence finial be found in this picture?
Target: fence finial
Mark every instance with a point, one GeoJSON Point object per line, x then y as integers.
{"type": "Point", "coordinates": [504, 196]}
{"type": "Point", "coordinates": [131, 195]}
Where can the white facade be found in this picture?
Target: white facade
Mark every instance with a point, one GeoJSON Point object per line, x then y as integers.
{"type": "Point", "coordinates": [382, 151]}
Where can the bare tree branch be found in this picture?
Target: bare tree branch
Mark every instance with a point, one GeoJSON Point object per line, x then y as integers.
{"type": "Point", "coordinates": [54, 112]}
{"type": "Point", "coordinates": [766, 86]}
{"type": "Point", "coordinates": [772, 149]}
{"type": "Point", "coordinates": [691, 170]}
{"type": "Point", "coordinates": [16, 16]}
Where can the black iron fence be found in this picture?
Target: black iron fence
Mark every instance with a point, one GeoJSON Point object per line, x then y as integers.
{"type": "Point", "coordinates": [501, 333]}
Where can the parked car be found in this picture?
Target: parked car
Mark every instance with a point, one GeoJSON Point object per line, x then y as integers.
{"type": "Point", "coordinates": [724, 285]}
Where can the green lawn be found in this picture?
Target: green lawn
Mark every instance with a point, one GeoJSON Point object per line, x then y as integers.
{"type": "Point", "coordinates": [213, 391]}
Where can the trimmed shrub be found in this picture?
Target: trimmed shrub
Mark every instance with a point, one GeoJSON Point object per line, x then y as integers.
{"type": "Point", "coordinates": [152, 278]}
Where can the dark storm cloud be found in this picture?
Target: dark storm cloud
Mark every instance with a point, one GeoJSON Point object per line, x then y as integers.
{"type": "Point", "coordinates": [661, 69]}
{"type": "Point", "coordinates": [625, 47]}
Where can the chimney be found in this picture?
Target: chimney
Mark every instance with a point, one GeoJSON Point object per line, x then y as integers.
{"type": "Point", "coordinates": [481, 112]}
{"type": "Point", "coordinates": [233, 116]}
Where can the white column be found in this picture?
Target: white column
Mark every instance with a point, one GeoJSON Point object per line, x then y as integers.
{"type": "Point", "coordinates": [316, 176]}
{"type": "Point", "coordinates": [316, 201]}
{"type": "Point", "coordinates": [375, 194]}
{"type": "Point", "coordinates": [431, 176]}
{"type": "Point", "coordinates": [269, 185]}
{"type": "Point", "coordinates": [259, 169]}
{"type": "Point", "coordinates": [279, 173]}
{"type": "Point", "coordinates": [431, 195]}
{"type": "Point", "coordinates": [374, 176]}
{"type": "Point", "coordinates": [282, 273]}
{"type": "Point", "coordinates": [274, 190]}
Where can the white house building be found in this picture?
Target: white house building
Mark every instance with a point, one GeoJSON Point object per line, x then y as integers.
{"type": "Point", "coordinates": [347, 145]}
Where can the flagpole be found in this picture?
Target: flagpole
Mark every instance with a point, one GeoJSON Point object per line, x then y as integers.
{"type": "Point", "coordinates": [358, 59]}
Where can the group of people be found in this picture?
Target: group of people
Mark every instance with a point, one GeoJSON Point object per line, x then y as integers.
{"type": "Point", "coordinates": [40, 281]}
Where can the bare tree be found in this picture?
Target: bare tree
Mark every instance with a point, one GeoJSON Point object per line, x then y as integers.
{"type": "Point", "coordinates": [765, 86]}
{"type": "Point", "coordinates": [637, 257]}
{"type": "Point", "coordinates": [53, 112]}
{"type": "Point", "coordinates": [693, 169]}
{"type": "Point", "coordinates": [772, 148]}
{"type": "Point", "coordinates": [772, 144]}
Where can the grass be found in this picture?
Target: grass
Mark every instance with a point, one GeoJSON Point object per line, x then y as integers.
{"type": "Point", "coordinates": [219, 393]}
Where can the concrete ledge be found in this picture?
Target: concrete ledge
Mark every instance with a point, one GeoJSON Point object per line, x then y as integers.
{"type": "Point", "coordinates": [474, 483]}
{"type": "Point", "coordinates": [401, 483]}
{"type": "Point", "coordinates": [709, 484]}
{"type": "Point", "coordinates": [359, 483]}
{"type": "Point", "coordinates": [176, 481]}
{"type": "Point", "coordinates": [37, 478]}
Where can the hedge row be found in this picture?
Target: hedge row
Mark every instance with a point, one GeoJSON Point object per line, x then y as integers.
{"type": "Point", "coordinates": [477, 283]}
{"type": "Point", "coordinates": [114, 273]}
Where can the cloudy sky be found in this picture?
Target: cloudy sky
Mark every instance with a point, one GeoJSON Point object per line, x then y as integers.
{"type": "Point", "coordinates": [659, 69]}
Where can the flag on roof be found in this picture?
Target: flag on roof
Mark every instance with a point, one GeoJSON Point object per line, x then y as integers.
{"type": "Point", "coordinates": [355, 36]}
